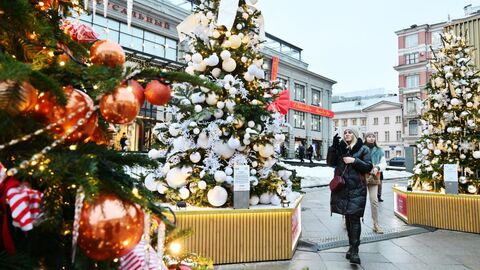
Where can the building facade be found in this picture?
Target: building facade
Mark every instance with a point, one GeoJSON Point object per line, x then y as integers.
{"type": "Point", "coordinates": [310, 94]}
{"type": "Point", "coordinates": [471, 25]}
{"type": "Point", "coordinates": [152, 39]}
{"type": "Point", "coordinates": [380, 115]}
{"type": "Point", "coordinates": [414, 51]}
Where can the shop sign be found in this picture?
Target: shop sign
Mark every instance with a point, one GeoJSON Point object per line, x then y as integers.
{"type": "Point", "coordinates": [310, 109]}
{"type": "Point", "coordinates": [400, 204]}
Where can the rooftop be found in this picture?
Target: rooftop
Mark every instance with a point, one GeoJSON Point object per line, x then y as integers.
{"type": "Point", "coordinates": [359, 105]}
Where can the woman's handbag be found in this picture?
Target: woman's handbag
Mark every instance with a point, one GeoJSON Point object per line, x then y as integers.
{"type": "Point", "coordinates": [338, 182]}
{"type": "Point", "coordinates": [373, 179]}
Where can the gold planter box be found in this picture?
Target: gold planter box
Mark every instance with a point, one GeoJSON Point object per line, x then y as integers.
{"type": "Point", "coordinates": [445, 211]}
{"type": "Point", "coordinates": [263, 233]}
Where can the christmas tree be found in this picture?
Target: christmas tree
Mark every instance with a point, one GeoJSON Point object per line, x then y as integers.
{"type": "Point", "coordinates": [212, 131]}
{"type": "Point", "coordinates": [66, 199]}
{"type": "Point", "coordinates": [450, 119]}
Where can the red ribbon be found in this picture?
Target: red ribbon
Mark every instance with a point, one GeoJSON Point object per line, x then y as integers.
{"type": "Point", "coordinates": [282, 103]}
{"type": "Point", "coordinates": [6, 241]}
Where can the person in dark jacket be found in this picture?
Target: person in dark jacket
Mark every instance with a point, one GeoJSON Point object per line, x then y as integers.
{"type": "Point", "coordinates": [301, 152]}
{"type": "Point", "coordinates": [351, 158]}
{"type": "Point", "coordinates": [310, 153]}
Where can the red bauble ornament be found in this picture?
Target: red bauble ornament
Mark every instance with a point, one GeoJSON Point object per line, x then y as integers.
{"type": "Point", "coordinates": [109, 227]}
{"type": "Point", "coordinates": [53, 112]}
{"type": "Point", "coordinates": [137, 90]}
{"type": "Point", "coordinates": [108, 53]}
{"type": "Point", "coordinates": [27, 93]}
{"type": "Point", "coordinates": [121, 106]}
{"type": "Point", "coordinates": [157, 93]}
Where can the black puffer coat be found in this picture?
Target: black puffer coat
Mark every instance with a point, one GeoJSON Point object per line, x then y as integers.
{"type": "Point", "coordinates": [351, 199]}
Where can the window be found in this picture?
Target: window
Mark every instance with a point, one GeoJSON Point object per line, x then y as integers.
{"type": "Point", "coordinates": [344, 122]}
{"type": "Point", "coordinates": [398, 153]}
{"type": "Point", "coordinates": [299, 119]}
{"type": "Point", "coordinates": [413, 127]}
{"type": "Point", "coordinates": [387, 154]}
{"type": "Point", "coordinates": [316, 122]}
{"type": "Point", "coordinates": [375, 121]}
{"type": "Point", "coordinates": [411, 105]}
{"type": "Point", "coordinates": [411, 40]}
{"type": "Point", "coordinates": [398, 119]}
{"type": "Point", "coordinates": [284, 83]}
{"type": "Point", "coordinates": [387, 136]}
{"type": "Point", "coordinates": [436, 39]}
{"type": "Point", "coordinates": [412, 81]}
{"type": "Point", "coordinates": [376, 135]}
{"type": "Point", "coordinates": [363, 121]}
{"type": "Point", "coordinates": [354, 122]}
{"type": "Point", "coordinates": [335, 123]}
{"type": "Point", "coordinates": [399, 135]}
{"type": "Point", "coordinates": [299, 93]}
{"type": "Point", "coordinates": [386, 121]}
{"type": "Point", "coordinates": [316, 98]}
{"type": "Point", "coordinates": [411, 58]}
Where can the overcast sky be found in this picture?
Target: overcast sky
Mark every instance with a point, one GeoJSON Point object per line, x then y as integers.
{"type": "Point", "coordinates": [352, 41]}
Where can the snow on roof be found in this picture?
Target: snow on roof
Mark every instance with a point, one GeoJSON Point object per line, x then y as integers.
{"type": "Point", "coordinates": [358, 105]}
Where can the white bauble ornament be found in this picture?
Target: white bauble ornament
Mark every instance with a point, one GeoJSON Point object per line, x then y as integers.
{"type": "Point", "coordinates": [200, 67]}
{"type": "Point", "coordinates": [150, 182]}
{"type": "Point", "coordinates": [275, 200]}
{"type": "Point", "coordinates": [437, 152]}
{"type": "Point", "coordinates": [233, 143]}
{"type": "Point", "coordinates": [247, 136]}
{"type": "Point", "coordinates": [225, 54]}
{"type": "Point", "coordinates": [161, 188]}
{"type": "Point", "coordinates": [173, 130]}
{"type": "Point", "coordinates": [198, 108]}
{"type": "Point", "coordinates": [248, 77]}
{"type": "Point", "coordinates": [251, 124]}
{"type": "Point", "coordinates": [254, 164]}
{"type": "Point", "coordinates": [188, 57]}
{"type": "Point", "coordinates": [425, 152]}
{"type": "Point", "coordinates": [202, 184]}
{"type": "Point", "coordinates": [254, 200]}
{"type": "Point", "coordinates": [246, 141]}
{"type": "Point", "coordinates": [265, 198]}
{"type": "Point", "coordinates": [216, 72]}
{"type": "Point", "coordinates": [244, 59]}
{"type": "Point", "coordinates": [166, 168]}
{"type": "Point", "coordinates": [235, 41]}
{"type": "Point", "coordinates": [177, 177]}
{"type": "Point", "coordinates": [212, 60]}
{"type": "Point", "coordinates": [220, 104]}
{"type": "Point", "coordinates": [195, 157]}
{"type": "Point", "coordinates": [218, 113]}
{"type": "Point", "coordinates": [454, 101]}
{"type": "Point", "coordinates": [196, 131]}
{"type": "Point", "coordinates": [239, 27]}
{"type": "Point", "coordinates": [469, 104]}
{"type": "Point", "coordinates": [253, 171]}
{"type": "Point", "coordinates": [154, 154]}
{"type": "Point", "coordinates": [462, 156]}
{"type": "Point", "coordinates": [220, 176]}
{"type": "Point", "coordinates": [229, 170]}
{"type": "Point", "coordinates": [228, 34]}
{"type": "Point", "coordinates": [253, 180]}
{"type": "Point", "coordinates": [230, 104]}
{"type": "Point", "coordinates": [216, 34]}
{"type": "Point", "coordinates": [245, 15]}
{"type": "Point", "coordinates": [217, 196]}
{"type": "Point", "coordinates": [229, 65]}
{"type": "Point", "coordinates": [222, 149]}
{"type": "Point", "coordinates": [229, 180]}
{"type": "Point", "coordinates": [212, 99]}
{"type": "Point", "coordinates": [184, 193]}
{"type": "Point", "coordinates": [266, 150]}
{"type": "Point", "coordinates": [418, 171]}
{"type": "Point", "coordinates": [202, 140]}
{"type": "Point", "coordinates": [462, 180]}
{"type": "Point", "coordinates": [472, 189]}
{"type": "Point", "coordinates": [476, 154]}
{"type": "Point", "coordinates": [197, 58]}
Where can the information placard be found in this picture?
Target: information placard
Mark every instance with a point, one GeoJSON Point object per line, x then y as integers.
{"type": "Point", "coordinates": [450, 172]}
{"type": "Point", "coordinates": [241, 178]}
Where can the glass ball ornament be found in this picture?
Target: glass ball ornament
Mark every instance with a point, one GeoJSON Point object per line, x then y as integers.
{"type": "Point", "coordinates": [462, 180]}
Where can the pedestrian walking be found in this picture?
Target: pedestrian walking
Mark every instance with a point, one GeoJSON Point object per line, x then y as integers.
{"type": "Point", "coordinates": [310, 153]}
{"type": "Point", "coordinates": [301, 152]}
{"type": "Point", "coordinates": [351, 159]}
{"type": "Point", "coordinates": [374, 177]}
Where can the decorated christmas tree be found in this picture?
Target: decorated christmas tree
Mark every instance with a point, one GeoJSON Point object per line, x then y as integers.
{"type": "Point", "coordinates": [451, 119]}
{"type": "Point", "coordinates": [66, 199]}
{"type": "Point", "coordinates": [214, 130]}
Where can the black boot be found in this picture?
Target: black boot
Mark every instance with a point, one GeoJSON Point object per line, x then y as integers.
{"type": "Point", "coordinates": [355, 231]}
{"type": "Point", "coordinates": [347, 223]}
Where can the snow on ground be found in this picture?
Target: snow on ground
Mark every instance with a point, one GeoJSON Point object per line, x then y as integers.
{"type": "Point", "coordinates": [320, 176]}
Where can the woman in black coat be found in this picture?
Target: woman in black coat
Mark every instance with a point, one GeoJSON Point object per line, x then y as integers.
{"type": "Point", "coordinates": [352, 159]}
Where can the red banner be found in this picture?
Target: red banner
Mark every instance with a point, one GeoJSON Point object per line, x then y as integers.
{"type": "Point", "coordinates": [310, 109]}
{"type": "Point", "coordinates": [274, 68]}
{"type": "Point", "coordinates": [400, 204]}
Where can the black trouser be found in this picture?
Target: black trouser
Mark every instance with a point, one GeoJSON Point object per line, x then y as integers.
{"type": "Point", "coordinates": [354, 229]}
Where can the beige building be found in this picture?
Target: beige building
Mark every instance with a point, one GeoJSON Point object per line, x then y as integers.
{"type": "Point", "coordinates": [380, 115]}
